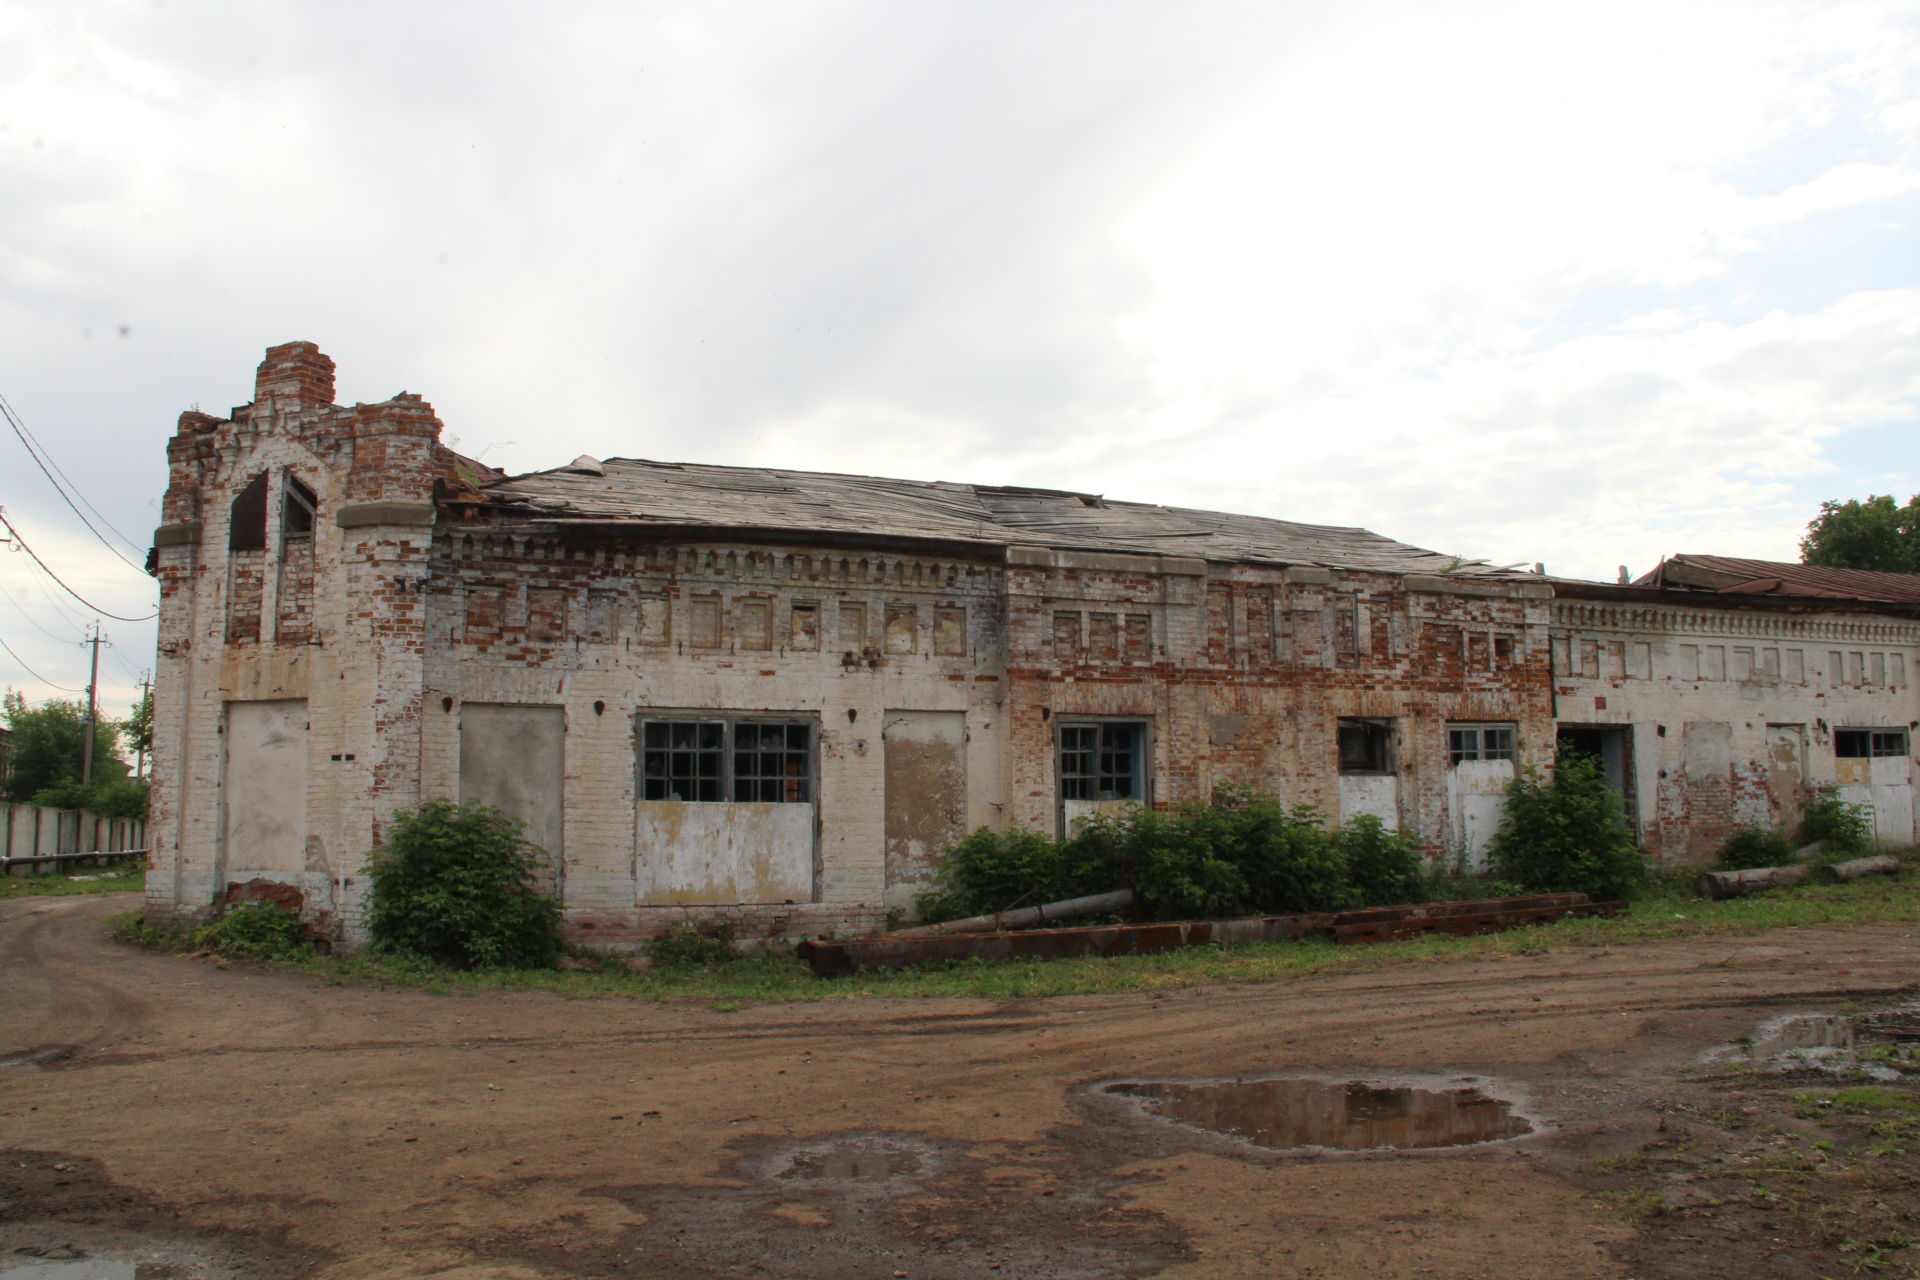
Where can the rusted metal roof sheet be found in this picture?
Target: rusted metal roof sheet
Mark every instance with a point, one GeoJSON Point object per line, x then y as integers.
{"type": "Point", "coordinates": [1734, 576]}
{"type": "Point", "coordinates": [641, 492]}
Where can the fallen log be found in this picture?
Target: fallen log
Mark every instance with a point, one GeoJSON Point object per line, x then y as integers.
{"type": "Point", "coordinates": [1738, 884]}
{"type": "Point", "coordinates": [1880, 864]}
{"type": "Point", "coordinates": [1026, 917]}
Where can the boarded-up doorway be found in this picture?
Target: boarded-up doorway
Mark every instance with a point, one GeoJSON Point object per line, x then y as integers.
{"type": "Point", "coordinates": [926, 767]}
{"type": "Point", "coordinates": [265, 826]}
{"type": "Point", "coordinates": [513, 757]}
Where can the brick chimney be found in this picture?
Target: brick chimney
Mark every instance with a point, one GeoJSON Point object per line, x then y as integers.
{"type": "Point", "coordinates": [296, 373]}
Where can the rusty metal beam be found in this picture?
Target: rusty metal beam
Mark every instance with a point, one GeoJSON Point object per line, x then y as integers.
{"type": "Point", "coordinates": [894, 951]}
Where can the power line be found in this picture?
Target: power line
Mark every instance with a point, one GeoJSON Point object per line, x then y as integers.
{"type": "Point", "coordinates": [35, 450]}
{"type": "Point", "coordinates": [120, 617]}
{"type": "Point", "coordinates": [30, 618]}
{"type": "Point", "coordinates": [35, 674]}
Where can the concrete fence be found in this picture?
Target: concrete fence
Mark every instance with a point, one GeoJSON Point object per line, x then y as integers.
{"type": "Point", "coordinates": [33, 838]}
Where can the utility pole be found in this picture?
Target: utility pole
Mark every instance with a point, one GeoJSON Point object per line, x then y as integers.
{"type": "Point", "coordinates": [86, 727]}
{"type": "Point", "coordinates": [140, 752]}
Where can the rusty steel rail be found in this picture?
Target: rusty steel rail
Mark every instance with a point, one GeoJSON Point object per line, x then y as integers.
{"type": "Point", "coordinates": [892, 951]}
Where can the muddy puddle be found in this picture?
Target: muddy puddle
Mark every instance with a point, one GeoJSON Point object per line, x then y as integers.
{"type": "Point", "coordinates": [1882, 1045]}
{"type": "Point", "coordinates": [1301, 1113]}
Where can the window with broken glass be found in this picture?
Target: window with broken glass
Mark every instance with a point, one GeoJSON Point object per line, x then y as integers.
{"type": "Point", "coordinates": [1869, 744]}
{"type": "Point", "coordinates": [1479, 742]}
{"type": "Point", "coordinates": [743, 761]}
{"type": "Point", "coordinates": [1366, 745]}
{"type": "Point", "coordinates": [1104, 760]}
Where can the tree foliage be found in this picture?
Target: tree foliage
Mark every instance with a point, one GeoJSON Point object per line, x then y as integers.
{"type": "Point", "coordinates": [1874, 534]}
{"type": "Point", "coordinates": [455, 884]}
{"type": "Point", "coordinates": [46, 742]}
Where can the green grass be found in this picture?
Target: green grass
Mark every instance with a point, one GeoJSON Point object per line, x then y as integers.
{"type": "Point", "coordinates": [1668, 912]}
{"type": "Point", "coordinates": [118, 878]}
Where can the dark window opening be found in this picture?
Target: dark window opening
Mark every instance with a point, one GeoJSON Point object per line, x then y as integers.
{"type": "Point", "coordinates": [1366, 746]}
{"type": "Point", "coordinates": [1479, 742]}
{"type": "Point", "coordinates": [1869, 744]}
{"type": "Point", "coordinates": [710, 761]}
{"type": "Point", "coordinates": [1103, 761]}
{"type": "Point", "coordinates": [296, 509]}
{"type": "Point", "coordinates": [247, 521]}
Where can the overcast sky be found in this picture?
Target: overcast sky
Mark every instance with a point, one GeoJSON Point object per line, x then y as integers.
{"type": "Point", "coordinates": [1577, 284]}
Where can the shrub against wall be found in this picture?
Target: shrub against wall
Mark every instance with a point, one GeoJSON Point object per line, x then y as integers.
{"type": "Point", "coordinates": [455, 884]}
{"type": "Point", "coordinates": [1245, 855]}
{"type": "Point", "coordinates": [1567, 834]}
{"type": "Point", "coordinates": [1846, 829]}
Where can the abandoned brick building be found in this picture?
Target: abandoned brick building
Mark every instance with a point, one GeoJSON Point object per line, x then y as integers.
{"type": "Point", "coordinates": [776, 696]}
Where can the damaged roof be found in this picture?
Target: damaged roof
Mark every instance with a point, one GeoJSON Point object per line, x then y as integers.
{"type": "Point", "coordinates": [639, 492]}
{"type": "Point", "coordinates": [1734, 576]}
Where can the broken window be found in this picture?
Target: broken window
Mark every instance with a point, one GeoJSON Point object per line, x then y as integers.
{"type": "Point", "coordinates": [1103, 760]}
{"type": "Point", "coordinates": [1869, 744]}
{"type": "Point", "coordinates": [1366, 745]}
{"type": "Point", "coordinates": [247, 519]}
{"type": "Point", "coordinates": [711, 761]}
{"type": "Point", "coordinates": [297, 506]}
{"type": "Point", "coordinates": [1479, 742]}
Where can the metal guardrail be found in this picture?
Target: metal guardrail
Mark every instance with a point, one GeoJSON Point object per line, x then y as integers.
{"type": "Point", "coordinates": [30, 860]}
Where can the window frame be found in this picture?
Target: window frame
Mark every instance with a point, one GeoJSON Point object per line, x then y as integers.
{"type": "Point", "coordinates": [1384, 730]}
{"type": "Point", "coordinates": [1103, 745]}
{"type": "Point", "coordinates": [1479, 751]}
{"type": "Point", "coordinates": [727, 767]}
{"type": "Point", "coordinates": [1873, 743]}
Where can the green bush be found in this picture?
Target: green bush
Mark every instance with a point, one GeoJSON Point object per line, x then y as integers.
{"type": "Point", "coordinates": [1384, 866]}
{"type": "Point", "coordinates": [1244, 855]}
{"type": "Point", "coordinates": [254, 931]}
{"type": "Point", "coordinates": [1757, 847]}
{"type": "Point", "coordinates": [991, 871]}
{"type": "Point", "coordinates": [1846, 828]}
{"type": "Point", "coordinates": [685, 947]}
{"type": "Point", "coordinates": [455, 885]}
{"type": "Point", "coordinates": [1567, 834]}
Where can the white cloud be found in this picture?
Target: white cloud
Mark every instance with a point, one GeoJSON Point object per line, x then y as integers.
{"type": "Point", "coordinates": [1529, 281]}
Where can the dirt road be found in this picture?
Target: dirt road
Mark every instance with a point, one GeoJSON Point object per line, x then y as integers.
{"type": "Point", "coordinates": [235, 1122]}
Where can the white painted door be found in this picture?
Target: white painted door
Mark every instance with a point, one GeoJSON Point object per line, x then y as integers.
{"type": "Point", "coordinates": [690, 853]}
{"type": "Point", "coordinates": [1476, 799]}
{"type": "Point", "coordinates": [1374, 793]}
